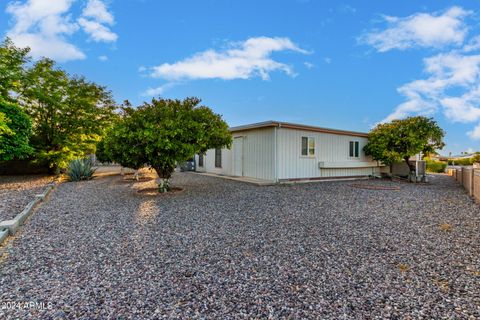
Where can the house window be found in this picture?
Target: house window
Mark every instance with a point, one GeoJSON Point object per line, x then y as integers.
{"type": "Point", "coordinates": [200, 160]}
{"type": "Point", "coordinates": [218, 158]}
{"type": "Point", "coordinates": [308, 146]}
{"type": "Point", "coordinates": [354, 149]}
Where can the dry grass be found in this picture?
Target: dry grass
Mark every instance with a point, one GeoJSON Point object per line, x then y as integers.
{"type": "Point", "coordinates": [446, 227]}
{"type": "Point", "coordinates": [403, 267]}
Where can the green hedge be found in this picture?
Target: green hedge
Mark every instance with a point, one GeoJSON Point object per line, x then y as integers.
{"type": "Point", "coordinates": [436, 166]}
{"type": "Point", "coordinates": [462, 162]}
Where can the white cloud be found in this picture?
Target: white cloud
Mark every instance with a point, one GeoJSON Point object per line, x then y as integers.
{"type": "Point", "coordinates": [453, 76]}
{"type": "Point", "coordinates": [472, 45]}
{"type": "Point", "coordinates": [94, 21]}
{"type": "Point", "coordinates": [327, 60]}
{"type": "Point", "coordinates": [420, 30]}
{"type": "Point", "coordinates": [97, 10]}
{"type": "Point", "coordinates": [97, 31]}
{"type": "Point", "coordinates": [158, 91]}
{"type": "Point", "coordinates": [103, 58]}
{"type": "Point", "coordinates": [475, 133]}
{"type": "Point", "coordinates": [309, 65]}
{"type": "Point", "coordinates": [452, 86]}
{"type": "Point", "coordinates": [242, 60]}
{"type": "Point", "coordinates": [45, 26]}
{"type": "Point", "coordinates": [42, 25]}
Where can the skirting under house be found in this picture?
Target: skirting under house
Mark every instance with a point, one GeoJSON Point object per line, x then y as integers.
{"type": "Point", "coordinates": [279, 151]}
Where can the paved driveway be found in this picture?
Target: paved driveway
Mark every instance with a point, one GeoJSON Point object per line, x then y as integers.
{"type": "Point", "coordinates": [226, 249]}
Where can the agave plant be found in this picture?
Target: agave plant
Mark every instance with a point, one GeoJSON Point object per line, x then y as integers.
{"type": "Point", "coordinates": [80, 169]}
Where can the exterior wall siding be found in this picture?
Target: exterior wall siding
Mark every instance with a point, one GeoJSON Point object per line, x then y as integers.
{"type": "Point", "coordinates": [258, 153]}
{"type": "Point", "coordinates": [209, 162]}
{"type": "Point", "coordinates": [258, 156]}
{"type": "Point", "coordinates": [332, 149]}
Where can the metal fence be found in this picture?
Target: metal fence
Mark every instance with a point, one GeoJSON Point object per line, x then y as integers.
{"type": "Point", "coordinates": [469, 178]}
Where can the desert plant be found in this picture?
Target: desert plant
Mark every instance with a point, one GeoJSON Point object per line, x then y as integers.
{"type": "Point", "coordinates": [80, 169]}
{"type": "Point", "coordinates": [164, 186]}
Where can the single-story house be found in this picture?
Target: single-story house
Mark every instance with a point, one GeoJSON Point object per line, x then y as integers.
{"type": "Point", "coordinates": [279, 151]}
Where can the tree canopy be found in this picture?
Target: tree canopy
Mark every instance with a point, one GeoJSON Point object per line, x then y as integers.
{"type": "Point", "coordinates": [400, 139]}
{"type": "Point", "coordinates": [15, 131]}
{"type": "Point", "coordinates": [12, 68]}
{"type": "Point", "coordinates": [164, 133]}
{"type": "Point", "coordinates": [69, 114]}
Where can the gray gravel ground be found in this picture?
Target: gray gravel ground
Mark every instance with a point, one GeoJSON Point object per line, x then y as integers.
{"type": "Point", "coordinates": [225, 249]}
{"type": "Point", "coordinates": [17, 191]}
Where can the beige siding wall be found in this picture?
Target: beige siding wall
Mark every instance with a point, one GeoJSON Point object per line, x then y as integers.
{"type": "Point", "coordinates": [258, 156]}
{"type": "Point", "coordinates": [332, 149]}
{"type": "Point", "coordinates": [258, 153]}
{"type": "Point", "coordinates": [209, 162]}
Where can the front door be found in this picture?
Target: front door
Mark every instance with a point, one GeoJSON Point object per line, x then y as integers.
{"type": "Point", "coordinates": [238, 156]}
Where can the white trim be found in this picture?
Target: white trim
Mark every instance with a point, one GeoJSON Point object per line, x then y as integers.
{"type": "Point", "coordinates": [308, 156]}
{"type": "Point", "coordinates": [359, 152]}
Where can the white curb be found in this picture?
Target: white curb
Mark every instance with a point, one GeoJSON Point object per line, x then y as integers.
{"type": "Point", "coordinates": [10, 227]}
{"type": "Point", "coordinates": [3, 235]}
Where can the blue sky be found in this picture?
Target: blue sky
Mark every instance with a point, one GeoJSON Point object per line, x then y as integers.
{"type": "Point", "coordinates": [345, 65]}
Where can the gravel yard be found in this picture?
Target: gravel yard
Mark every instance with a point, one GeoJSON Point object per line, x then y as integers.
{"type": "Point", "coordinates": [225, 249]}
{"type": "Point", "coordinates": [17, 191]}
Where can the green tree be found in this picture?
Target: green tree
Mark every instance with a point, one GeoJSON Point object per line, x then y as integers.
{"type": "Point", "coordinates": [15, 131]}
{"type": "Point", "coordinates": [101, 152]}
{"type": "Point", "coordinates": [400, 139]}
{"type": "Point", "coordinates": [4, 121]}
{"type": "Point", "coordinates": [12, 72]}
{"type": "Point", "coordinates": [121, 141]}
{"type": "Point", "coordinates": [70, 114]}
{"type": "Point", "coordinates": [166, 132]}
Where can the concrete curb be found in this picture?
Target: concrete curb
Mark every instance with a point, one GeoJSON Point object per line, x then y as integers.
{"type": "Point", "coordinates": [10, 227]}
{"type": "Point", "coordinates": [3, 235]}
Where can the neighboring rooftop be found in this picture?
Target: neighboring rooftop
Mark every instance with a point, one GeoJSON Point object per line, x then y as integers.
{"type": "Point", "coordinates": [288, 125]}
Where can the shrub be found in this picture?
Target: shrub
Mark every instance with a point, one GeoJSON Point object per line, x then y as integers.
{"type": "Point", "coordinates": [461, 162]}
{"type": "Point", "coordinates": [15, 131]}
{"type": "Point", "coordinates": [102, 154]}
{"type": "Point", "coordinates": [80, 169]}
{"type": "Point", "coordinates": [436, 166]}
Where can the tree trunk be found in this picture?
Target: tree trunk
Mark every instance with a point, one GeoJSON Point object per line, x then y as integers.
{"type": "Point", "coordinates": [164, 175]}
{"type": "Point", "coordinates": [411, 166]}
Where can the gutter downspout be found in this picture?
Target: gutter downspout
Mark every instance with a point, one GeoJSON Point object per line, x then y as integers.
{"type": "Point", "coordinates": [276, 152]}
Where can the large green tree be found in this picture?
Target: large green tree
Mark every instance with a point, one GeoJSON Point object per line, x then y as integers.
{"type": "Point", "coordinates": [4, 121]}
{"type": "Point", "coordinates": [400, 139]}
{"type": "Point", "coordinates": [15, 131]}
{"type": "Point", "coordinates": [70, 114]}
{"type": "Point", "coordinates": [12, 71]}
{"type": "Point", "coordinates": [166, 132]}
{"type": "Point", "coordinates": [121, 143]}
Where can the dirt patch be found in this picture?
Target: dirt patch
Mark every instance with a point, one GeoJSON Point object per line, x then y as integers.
{"type": "Point", "coordinates": [154, 191]}
{"type": "Point", "coordinates": [140, 179]}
